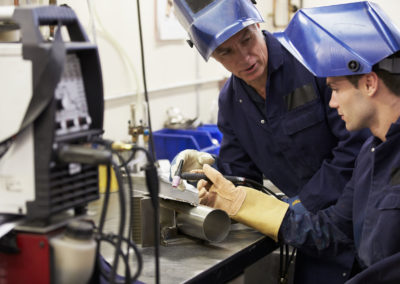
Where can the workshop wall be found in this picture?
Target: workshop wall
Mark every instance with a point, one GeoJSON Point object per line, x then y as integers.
{"type": "Point", "coordinates": [176, 75]}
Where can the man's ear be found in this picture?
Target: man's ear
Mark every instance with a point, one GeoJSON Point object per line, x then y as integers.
{"type": "Point", "coordinates": [371, 83]}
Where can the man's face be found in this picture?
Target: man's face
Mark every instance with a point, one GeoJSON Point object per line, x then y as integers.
{"type": "Point", "coordinates": [352, 103]}
{"type": "Point", "coordinates": [244, 54]}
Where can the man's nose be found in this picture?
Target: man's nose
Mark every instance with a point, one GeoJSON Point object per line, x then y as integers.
{"type": "Point", "coordinates": [333, 102]}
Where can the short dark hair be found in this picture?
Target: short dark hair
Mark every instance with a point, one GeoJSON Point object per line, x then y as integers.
{"type": "Point", "coordinates": [354, 79]}
{"type": "Point", "coordinates": [392, 81]}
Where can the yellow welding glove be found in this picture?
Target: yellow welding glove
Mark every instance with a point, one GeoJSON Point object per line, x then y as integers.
{"type": "Point", "coordinates": [193, 160]}
{"type": "Point", "coordinates": [246, 205]}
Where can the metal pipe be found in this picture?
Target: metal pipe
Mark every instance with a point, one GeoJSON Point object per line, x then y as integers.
{"type": "Point", "coordinates": [200, 221]}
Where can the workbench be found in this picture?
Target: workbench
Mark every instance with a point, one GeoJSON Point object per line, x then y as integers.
{"type": "Point", "coordinates": [190, 260]}
{"type": "Point", "coordinates": [187, 259]}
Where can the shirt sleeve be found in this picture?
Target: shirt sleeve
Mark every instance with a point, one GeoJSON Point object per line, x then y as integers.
{"type": "Point", "coordinates": [328, 231]}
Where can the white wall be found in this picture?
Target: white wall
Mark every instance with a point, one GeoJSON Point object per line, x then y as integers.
{"type": "Point", "coordinates": [175, 73]}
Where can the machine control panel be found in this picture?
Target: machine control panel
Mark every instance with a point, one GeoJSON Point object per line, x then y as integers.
{"type": "Point", "coordinates": [72, 110]}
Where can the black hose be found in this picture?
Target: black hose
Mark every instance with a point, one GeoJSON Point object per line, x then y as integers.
{"type": "Point", "coordinates": [151, 142]}
{"type": "Point", "coordinates": [121, 220]}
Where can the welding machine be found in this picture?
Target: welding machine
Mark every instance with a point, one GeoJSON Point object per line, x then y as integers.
{"type": "Point", "coordinates": [51, 96]}
{"type": "Point", "coordinates": [63, 104]}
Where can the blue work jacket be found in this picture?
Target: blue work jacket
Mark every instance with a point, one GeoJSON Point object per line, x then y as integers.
{"type": "Point", "coordinates": [295, 140]}
{"type": "Point", "coordinates": [366, 216]}
{"type": "Point", "coordinates": [298, 142]}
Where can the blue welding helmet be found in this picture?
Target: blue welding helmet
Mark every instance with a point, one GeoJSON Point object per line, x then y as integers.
{"type": "Point", "coordinates": [211, 22]}
{"type": "Point", "coordinates": [339, 40]}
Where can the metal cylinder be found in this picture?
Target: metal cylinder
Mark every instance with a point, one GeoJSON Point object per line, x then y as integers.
{"type": "Point", "coordinates": [200, 221]}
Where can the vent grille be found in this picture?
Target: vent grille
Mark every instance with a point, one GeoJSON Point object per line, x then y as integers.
{"type": "Point", "coordinates": [72, 190]}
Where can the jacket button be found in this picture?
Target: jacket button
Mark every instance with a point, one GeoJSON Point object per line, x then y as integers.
{"type": "Point", "coordinates": [344, 274]}
{"type": "Point", "coordinates": [262, 121]}
{"type": "Point", "coordinates": [372, 149]}
{"type": "Point", "coordinates": [240, 101]}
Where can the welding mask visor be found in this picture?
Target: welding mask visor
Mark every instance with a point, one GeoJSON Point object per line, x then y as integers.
{"type": "Point", "coordinates": [345, 39]}
{"type": "Point", "coordinates": [211, 22]}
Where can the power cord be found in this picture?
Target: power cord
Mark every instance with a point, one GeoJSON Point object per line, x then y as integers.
{"type": "Point", "coordinates": [285, 261]}
{"type": "Point", "coordinates": [86, 155]}
{"type": "Point", "coordinates": [116, 240]}
{"type": "Point", "coordinates": [5, 145]}
{"type": "Point", "coordinates": [153, 188]}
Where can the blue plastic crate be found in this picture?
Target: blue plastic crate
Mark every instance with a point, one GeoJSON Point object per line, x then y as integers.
{"type": "Point", "coordinates": [169, 142]}
{"type": "Point", "coordinates": [213, 130]}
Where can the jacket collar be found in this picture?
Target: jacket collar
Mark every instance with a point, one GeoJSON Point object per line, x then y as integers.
{"type": "Point", "coordinates": [275, 52]}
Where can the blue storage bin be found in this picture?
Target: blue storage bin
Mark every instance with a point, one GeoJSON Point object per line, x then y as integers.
{"type": "Point", "coordinates": [213, 130]}
{"type": "Point", "coordinates": [169, 142]}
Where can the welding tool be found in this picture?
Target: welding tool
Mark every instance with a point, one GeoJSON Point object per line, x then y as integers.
{"type": "Point", "coordinates": [177, 177]}
{"type": "Point", "coordinates": [199, 176]}
{"type": "Point", "coordinates": [234, 179]}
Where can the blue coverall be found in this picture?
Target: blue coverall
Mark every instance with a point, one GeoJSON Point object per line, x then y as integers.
{"type": "Point", "coordinates": [366, 216]}
{"type": "Point", "coordinates": [295, 140]}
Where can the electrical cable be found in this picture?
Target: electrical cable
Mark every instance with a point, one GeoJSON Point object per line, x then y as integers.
{"type": "Point", "coordinates": [289, 260]}
{"type": "Point", "coordinates": [121, 220]}
{"type": "Point", "coordinates": [284, 262]}
{"type": "Point", "coordinates": [103, 217]}
{"type": "Point", "coordinates": [128, 279]}
{"type": "Point", "coordinates": [124, 164]}
{"type": "Point", "coordinates": [105, 204]}
{"type": "Point", "coordinates": [153, 188]}
{"type": "Point", "coordinates": [151, 142]}
{"type": "Point", "coordinates": [5, 146]}
{"type": "Point", "coordinates": [108, 237]}
{"type": "Point", "coordinates": [281, 278]}
{"type": "Point", "coordinates": [138, 258]}
{"type": "Point", "coordinates": [261, 187]}
{"type": "Point", "coordinates": [102, 31]}
{"type": "Point", "coordinates": [152, 185]}
{"type": "Point", "coordinates": [92, 21]}
{"type": "Point", "coordinates": [82, 154]}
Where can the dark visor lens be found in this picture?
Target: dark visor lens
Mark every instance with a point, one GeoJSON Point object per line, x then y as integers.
{"type": "Point", "coordinates": [197, 5]}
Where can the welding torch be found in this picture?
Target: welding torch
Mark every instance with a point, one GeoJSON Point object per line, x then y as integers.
{"type": "Point", "coordinates": [176, 179]}
{"type": "Point", "coordinates": [199, 176]}
{"type": "Point", "coordinates": [234, 179]}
